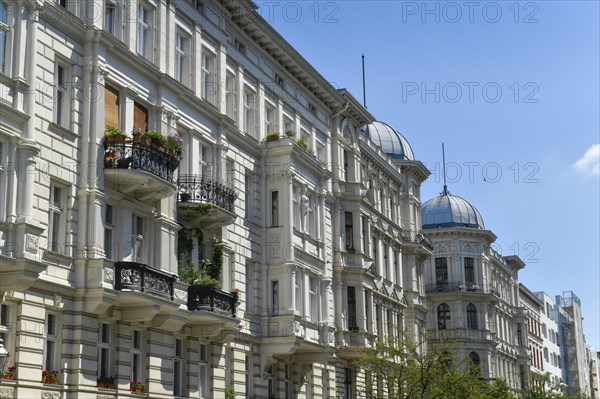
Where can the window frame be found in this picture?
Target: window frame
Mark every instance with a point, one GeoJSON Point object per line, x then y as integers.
{"type": "Point", "coordinates": [231, 94]}
{"type": "Point", "coordinates": [444, 316]}
{"type": "Point", "coordinates": [250, 118]}
{"type": "Point", "coordinates": [145, 30]}
{"type": "Point", "coordinates": [62, 94]}
{"type": "Point", "coordinates": [51, 342]}
{"type": "Point", "coordinates": [136, 352]}
{"type": "Point", "coordinates": [183, 55]}
{"type": "Point", "coordinates": [104, 351]}
{"type": "Point", "coordinates": [203, 371]}
{"type": "Point", "coordinates": [441, 271]}
{"type": "Point", "coordinates": [209, 75]}
{"type": "Point", "coordinates": [471, 316]}
{"type": "Point", "coordinates": [109, 230]}
{"type": "Point", "coordinates": [178, 370]}
{"type": "Point", "coordinates": [6, 23]}
{"type": "Point", "coordinates": [57, 215]}
{"type": "Point", "coordinates": [137, 239]}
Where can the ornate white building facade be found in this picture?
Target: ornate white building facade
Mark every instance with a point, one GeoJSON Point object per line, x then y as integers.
{"type": "Point", "coordinates": [317, 236]}
{"type": "Point", "coordinates": [473, 292]}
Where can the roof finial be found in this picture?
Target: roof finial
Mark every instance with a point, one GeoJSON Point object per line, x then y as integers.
{"type": "Point", "coordinates": [445, 192]}
{"type": "Point", "coordinates": [364, 82]}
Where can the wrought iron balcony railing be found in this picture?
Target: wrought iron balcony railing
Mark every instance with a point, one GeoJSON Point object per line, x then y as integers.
{"type": "Point", "coordinates": [203, 297]}
{"type": "Point", "coordinates": [417, 238]}
{"type": "Point", "coordinates": [460, 287]}
{"type": "Point", "coordinates": [139, 277]}
{"type": "Point", "coordinates": [141, 156]}
{"type": "Point", "coordinates": [205, 190]}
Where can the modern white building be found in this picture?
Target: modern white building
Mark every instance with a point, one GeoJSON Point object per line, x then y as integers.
{"type": "Point", "coordinates": [473, 292]}
{"type": "Point", "coordinates": [310, 220]}
{"type": "Point", "coordinates": [553, 362]}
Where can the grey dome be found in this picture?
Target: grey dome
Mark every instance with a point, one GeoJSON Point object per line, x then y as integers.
{"type": "Point", "coordinates": [450, 211]}
{"type": "Point", "coordinates": [390, 140]}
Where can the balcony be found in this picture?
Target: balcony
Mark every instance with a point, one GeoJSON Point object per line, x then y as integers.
{"type": "Point", "coordinates": [417, 238]}
{"type": "Point", "coordinates": [210, 303]}
{"type": "Point", "coordinates": [138, 277]}
{"type": "Point", "coordinates": [460, 287]}
{"type": "Point", "coordinates": [140, 169]}
{"type": "Point", "coordinates": [204, 201]}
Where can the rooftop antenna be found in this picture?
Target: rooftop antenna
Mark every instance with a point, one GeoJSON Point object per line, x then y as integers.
{"type": "Point", "coordinates": [364, 86]}
{"type": "Point", "coordinates": [445, 192]}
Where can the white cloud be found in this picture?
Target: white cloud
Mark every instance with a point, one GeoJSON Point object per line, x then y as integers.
{"type": "Point", "coordinates": [589, 163]}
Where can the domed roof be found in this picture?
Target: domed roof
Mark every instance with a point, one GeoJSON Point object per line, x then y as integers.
{"type": "Point", "coordinates": [390, 140]}
{"type": "Point", "coordinates": [450, 211]}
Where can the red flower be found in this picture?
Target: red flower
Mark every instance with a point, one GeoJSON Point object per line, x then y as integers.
{"type": "Point", "coordinates": [45, 372]}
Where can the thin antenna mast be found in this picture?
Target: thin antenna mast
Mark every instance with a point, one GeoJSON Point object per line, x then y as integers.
{"type": "Point", "coordinates": [444, 169]}
{"type": "Point", "coordinates": [364, 84]}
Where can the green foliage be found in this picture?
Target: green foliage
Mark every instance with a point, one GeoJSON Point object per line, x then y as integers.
{"type": "Point", "coordinates": [410, 370]}
{"type": "Point", "coordinates": [209, 271]}
{"type": "Point", "coordinates": [229, 392]}
{"type": "Point", "coordinates": [302, 143]}
{"type": "Point", "coordinates": [290, 133]}
{"type": "Point", "coordinates": [540, 388]}
{"type": "Point", "coordinates": [499, 389]}
{"type": "Point", "coordinates": [155, 138]}
{"type": "Point", "coordinates": [112, 131]}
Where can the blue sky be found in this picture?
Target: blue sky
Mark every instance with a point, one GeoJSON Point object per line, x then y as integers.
{"type": "Point", "coordinates": [517, 86]}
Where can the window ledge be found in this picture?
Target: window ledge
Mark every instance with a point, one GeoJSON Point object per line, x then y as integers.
{"type": "Point", "coordinates": [56, 128]}
{"type": "Point", "coordinates": [56, 256]}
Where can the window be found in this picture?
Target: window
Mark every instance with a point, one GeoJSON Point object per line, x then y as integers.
{"type": "Point", "coordinates": [250, 286]}
{"type": "Point", "coordinates": [288, 124]}
{"type": "Point", "coordinates": [6, 328]}
{"type": "Point", "coordinates": [203, 380]}
{"type": "Point", "coordinates": [50, 360]}
{"type": "Point", "coordinates": [475, 359]}
{"type": "Point", "coordinates": [62, 3]}
{"type": "Point", "coordinates": [390, 323]}
{"type": "Point", "coordinates": [182, 59]}
{"type": "Point", "coordinates": [287, 385]}
{"type": "Point", "coordinates": [231, 95]}
{"type": "Point", "coordinates": [368, 310]}
{"type": "Point", "coordinates": [469, 272]}
{"type": "Point", "coordinates": [136, 356]}
{"type": "Point", "coordinates": [248, 194]}
{"type": "Point", "coordinates": [177, 369]}
{"type": "Point", "coordinates": [397, 274]}
{"type": "Point", "coordinates": [311, 208]}
{"type": "Point", "coordinates": [374, 252]}
{"type": "Point", "coordinates": [312, 299]}
{"type": "Point", "coordinates": [104, 341]}
{"type": "Point", "coordinates": [110, 16]}
{"type": "Point", "coordinates": [386, 266]}
{"type": "Point", "coordinates": [4, 34]}
{"type": "Point", "coordinates": [108, 231]}
{"type": "Point", "coordinates": [137, 237]}
{"type": "Point", "coordinates": [352, 322]}
{"type": "Point", "coordinates": [61, 96]}
{"type": "Point", "coordinates": [519, 334]}
{"type": "Point", "coordinates": [209, 87]}
{"type": "Point", "coordinates": [472, 317]}
{"type": "Point", "coordinates": [57, 218]}
{"type": "Point", "coordinates": [441, 271]}
{"type": "Point", "coordinates": [270, 123]}
{"type": "Point", "coordinates": [365, 236]}
{"type": "Point", "coordinates": [348, 383]}
{"type": "Point", "coordinates": [443, 315]}
{"type": "Point", "coordinates": [140, 117]}
{"type": "Point", "coordinates": [270, 384]}
{"type": "Point", "coordinates": [349, 231]}
{"type": "Point", "coordinates": [250, 111]}
{"type": "Point", "coordinates": [111, 107]}
{"type": "Point", "coordinates": [144, 32]}
{"type": "Point", "coordinates": [248, 375]}
{"type": "Point", "coordinates": [378, 325]}
{"type": "Point", "coordinates": [275, 297]}
{"type": "Point", "coordinates": [296, 207]}
{"type": "Point", "coordinates": [274, 208]}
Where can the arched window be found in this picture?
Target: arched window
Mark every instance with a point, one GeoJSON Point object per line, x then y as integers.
{"type": "Point", "coordinates": [475, 359]}
{"type": "Point", "coordinates": [472, 317]}
{"type": "Point", "coordinates": [443, 314]}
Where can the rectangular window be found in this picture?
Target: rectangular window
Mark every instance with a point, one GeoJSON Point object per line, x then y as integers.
{"type": "Point", "coordinates": [104, 351]}
{"type": "Point", "coordinates": [275, 297]}
{"type": "Point", "coordinates": [61, 96]}
{"type": "Point", "coordinates": [469, 272]}
{"type": "Point", "coordinates": [6, 330]}
{"type": "Point", "coordinates": [348, 384]}
{"type": "Point", "coordinates": [313, 299]}
{"type": "Point", "coordinates": [111, 107]}
{"type": "Point", "coordinates": [311, 207]}
{"type": "Point", "coordinates": [136, 356]}
{"type": "Point", "coordinates": [182, 51]}
{"type": "Point", "coordinates": [108, 231]}
{"type": "Point", "coordinates": [296, 207]}
{"type": "Point", "coordinates": [374, 243]}
{"type": "Point", "coordinates": [50, 360]}
{"type": "Point", "coordinates": [274, 208]}
{"type": "Point", "coordinates": [390, 323]}
{"type": "Point", "coordinates": [349, 231]}
{"type": "Point", "coordinates": [110, 16]}
{"type": "Point", "coordinates": [62, 3]}
{"type": "Point", "coordinates": [365, 236]}
{"type": "Point", "coordinates": [144, 32]}
{"type": "Point", "coordinates": [250, 111]}
{"type": "Point", "coordinates": [57, 218]}
{"type": "Point", "coordinates": [4, 33]}
{"type": "Point", "coordinates": [177, 369]}
{"type": "Point", "coordinates": [209, 86]}
{"type": "Point", "coordinates": [203, 380]}
{"type": "Point", "coordinates": [288, 124]}
{"type": "Point", "coordinates": [352, 322]}
{"type": "Point", "coordinates": [367, 311]}
{"type": "Point", "coordinates": [397, 274]}
{"type": "Point", "coordinates": [441, 271]}
{"type": "Point", "coordinates": [140, 117]}
{"type": "Point", "coordinates": [270, 122]}
{"type": "Point", "coordinates": [248, 375]}
{"type": "Point", "coordinates": [248, 194]}
{"type": "Point", "coordinates": [386, 266]}
{"type": "Point", "coordinates": [137, 237]}
{"type": "Point", "coordinates": [231, 95]}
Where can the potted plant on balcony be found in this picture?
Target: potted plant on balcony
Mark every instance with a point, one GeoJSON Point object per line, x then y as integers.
{"type": "Point", "coordinates": [136, 386]}
{"type": "Point", "coordinates": [302, 143]}
{"type": "Point", "coordinates": [208, 272]}
{"type": "Point", "coordinates": [10, 373]}
{"type": "Point", "coordinates": [50, 377]}
{"type": "Point", "coordinates": [106, 382]}
{"type": "Point", "coordinates": [173, 144]}
{"type": "Point", "coordinates": [273, 136]}
{"type": "Point", "coordinates": [153, 138]}
{"type": "Point", "coordinates": [136, 134]}
{"type": "Point", "coordinates": [114, 134]}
